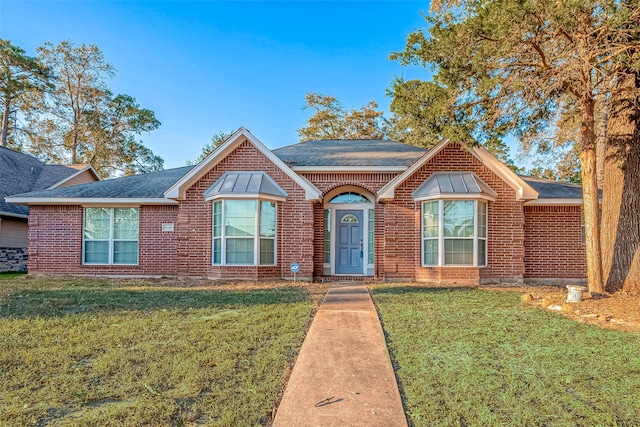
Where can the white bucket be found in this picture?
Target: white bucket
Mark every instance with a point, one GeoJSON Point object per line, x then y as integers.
{"type": "Point", "coordinates": [575, 293]}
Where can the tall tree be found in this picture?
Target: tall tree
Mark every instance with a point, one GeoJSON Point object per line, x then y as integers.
{"type": "Point", "coordinates": [83, 122]}
{"type": "Point", "coordinates": [20, 76]}
{"type": "Point", "coordinates": [216, 139]}
{"type": "Point", "coordinates": [331, 120]}
{"type": "Point", "coordinates": [519, 65]}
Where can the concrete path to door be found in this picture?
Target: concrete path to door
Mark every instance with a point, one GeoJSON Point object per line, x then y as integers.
{"type": "Point", "coordinates": [343, 375]}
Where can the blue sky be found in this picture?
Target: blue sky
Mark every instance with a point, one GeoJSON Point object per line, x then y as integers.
{"type": "Point", "coordinates": [206, 66]}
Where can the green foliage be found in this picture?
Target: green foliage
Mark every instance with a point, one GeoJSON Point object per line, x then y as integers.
{"type": "Point", "coordinates": [477, 357]}
{"type": "Point", "coordinates": [111, 353]}
{"type": "Point", "coordinates": [509, 66]}
{"type": "Point", "coordinates": [82, 121]}
{"type": "Point", "coordinates": [216, 139]}
{"type": "Point", "coordinates": [21, 77]}
{"type": "Point", "coordinates": [332, 121]}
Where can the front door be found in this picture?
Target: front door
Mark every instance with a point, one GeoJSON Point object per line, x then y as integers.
{"type": "Point", "coordinates": [349, 242]}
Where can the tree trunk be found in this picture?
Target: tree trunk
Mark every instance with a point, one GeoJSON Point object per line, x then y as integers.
{"type": "Point", "coordinates": [601, 144]}
{"type": "Point", "coordinates": [621, 196]}
{"type": "Point", "coordinates": [5, 122]}
{"type": "Point", "coordinates": [590, 197]}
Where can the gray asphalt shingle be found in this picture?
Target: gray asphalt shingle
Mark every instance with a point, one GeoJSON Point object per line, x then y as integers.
{"type": "Point", "coordinates": [144, 186]}
{"type": "Point", "coordinates": [21, 173]}
{"type": "Point", "coordinates": [339, 153]}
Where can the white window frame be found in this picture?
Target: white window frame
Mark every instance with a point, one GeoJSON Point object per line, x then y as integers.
{"type": "Point", "coordinates": [111, 238]}
{"type": "Point", "coordinates": [256, 237]}
{"type": "Point", "coordinates": [441, 238]}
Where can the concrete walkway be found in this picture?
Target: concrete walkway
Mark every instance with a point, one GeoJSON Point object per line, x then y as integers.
{"type": "Point", "coordinates": [343, 375]}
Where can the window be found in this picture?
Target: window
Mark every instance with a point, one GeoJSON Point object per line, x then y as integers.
{"type": "Point", "coordinates": [454, 232]}
{"type": "Point", "coordinates": [244, 231]}
{"type": "Point", "coordinates": [110, 236]}
{"type": "Point", "coordinates": [350, 197]}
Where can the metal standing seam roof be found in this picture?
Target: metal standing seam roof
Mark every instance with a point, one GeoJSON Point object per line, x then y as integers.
{"type": "Point", "coordinates": [245, 184]}
{"type": "Point", "coordinates": [444, 184]}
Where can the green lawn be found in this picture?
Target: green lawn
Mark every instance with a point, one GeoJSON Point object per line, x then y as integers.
{"type": "Point", "coordinates": [470, 357]}
{"type": "Point", "coordinates": [85, 352]}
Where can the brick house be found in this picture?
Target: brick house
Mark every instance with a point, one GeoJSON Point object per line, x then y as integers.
{"type": "Point", "coordinates": [377, 209]}
{"type": "Point", "coordinates": [20, 173]}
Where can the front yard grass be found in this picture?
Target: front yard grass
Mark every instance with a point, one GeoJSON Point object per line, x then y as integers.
{"type": "Point", "coordinates": [473, 357]}
{"type": "Point", "coordinates": [103, 352]}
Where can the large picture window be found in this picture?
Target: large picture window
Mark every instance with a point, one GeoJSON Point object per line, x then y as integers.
{"type": "Point", "coordinates": [454, 232]}
{"type": "Point", "coordinates": [244, 232]}
{"type": "Point", "coordinates": [110, 236]}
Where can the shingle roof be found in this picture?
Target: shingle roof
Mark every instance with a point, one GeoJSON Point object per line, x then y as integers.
{"type": "Point", "coordinates": [549, 189]}
{"type": "Point", "coordinates": [339, 153]}
{"type": "Point", "coordinates": [144, 186]}
{"type": "Point", "coordinates": [21, 173]}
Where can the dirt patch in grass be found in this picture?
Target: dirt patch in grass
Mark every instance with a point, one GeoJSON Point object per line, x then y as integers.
{"type": "Point", "coordinates": [618, 311]}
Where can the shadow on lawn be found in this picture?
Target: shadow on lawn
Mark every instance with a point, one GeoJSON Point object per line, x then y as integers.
{"type": "Point", "coordinates": [57, 303]}
{"type": "Point", "coordinates": [399, 290]}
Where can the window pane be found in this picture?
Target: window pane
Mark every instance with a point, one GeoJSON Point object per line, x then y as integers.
{"type": "Point", "coordinates": [430, 248]}
{"type": "Point", "coordinates": [430, 220]}
{"type": "Point", "coordinates": [458, 252]}
{"type": "Point", "coordinates": [482, 253]}
{"type": "Point", "coordinates": [267, 219]}
{"type": "Point", "coordinates": [97, 223]}
{"type": "Point", "coordinates": [239, 251]}
{"type": "Point", "coordinates": [125, 252]}
{"type": "Point", "coordinates": [482, 219]}
{"type": "Point", "coordinates": [267, 252]}
{"type": "Point", "coordinates": [371, 236]}
{"type": "Point", "coordinates": [96, 252]}
{"type": "Point", "coordinates": [125, 223]}
{"type": "Point", "coordinates": [349, 198]}
{"type": "Point", "coordinates": [327, 236]}
{"type": "Point", "coordinates": [458, 218]}
{"type": "Point", "coordinates": [217, 251]}
{"type": "Point", "coordinates": [217, 219]}
{"type": "Point", "coordinates": [240, 217]}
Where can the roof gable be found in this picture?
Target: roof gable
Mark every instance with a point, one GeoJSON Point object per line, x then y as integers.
{"type": "Point", "coordinates": [523, 190]}
{"type": "Point", "coordinates": [178, 190]}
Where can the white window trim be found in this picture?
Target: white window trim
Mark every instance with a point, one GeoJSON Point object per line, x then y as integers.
{"type": "Point", "coordinates": [441, 238]}
{"type": "Point", "coordinates": [256, 237]}
{"type": "Point", "coordinates": [111, 239]}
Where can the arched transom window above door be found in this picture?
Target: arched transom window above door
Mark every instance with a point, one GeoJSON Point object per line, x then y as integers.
{"type": "Point", "coordinates": [350, 197]}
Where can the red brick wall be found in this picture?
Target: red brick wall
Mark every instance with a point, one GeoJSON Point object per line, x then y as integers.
{"type": "Point", "coordinates": [295, 216]}
{"type": "Point", "coordinates": [553, 245]}
{"type": "Point", "coordinates": [55, 243]}
{"type": "Point", "coordinates": [325, 182]}
{"type": "Point", "coordinates": [505, 220]}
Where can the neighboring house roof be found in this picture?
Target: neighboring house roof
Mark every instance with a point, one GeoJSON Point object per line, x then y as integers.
{"type": "Point", "coordinates": [448, 185]}
{"type": "Point", "coordinates": [349, 154]}
{"type": "Point", "coordinates": [22, 173]}
{"type": "Point", "coordinates": [148, 188]}
{"type": "Point", "coordinates": [242, 185]}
